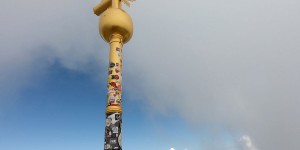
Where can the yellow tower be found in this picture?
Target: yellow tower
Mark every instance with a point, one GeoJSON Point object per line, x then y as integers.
{"type": "Point", "coordinates": [116, 28]}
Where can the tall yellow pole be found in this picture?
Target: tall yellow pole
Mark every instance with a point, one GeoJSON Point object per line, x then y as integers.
{"type": "Point", "coordinates": [115, 28]}
{"type": "Point", "coordinates": [113, 128]}
{"type": "Point", "coordinates": [114, 94]}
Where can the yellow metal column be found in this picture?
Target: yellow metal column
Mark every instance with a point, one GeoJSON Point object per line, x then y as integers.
{"type": "Point", "coordinates": [113, 129]}
{"type": "Point", "coordinates": [114, 95]}
{"type": "Point", "coordinates": [116, 28]}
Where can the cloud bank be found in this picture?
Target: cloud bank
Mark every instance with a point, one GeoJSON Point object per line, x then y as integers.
{"type": "Point", "coordinates": [36, 34]}
{"type": "Point", "coordinates": [232, 63]}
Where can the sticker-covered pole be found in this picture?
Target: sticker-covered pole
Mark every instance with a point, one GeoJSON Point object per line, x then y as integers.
{"type": "Point", "coordinates": [113, 126]}
{"type": "Point", "coordinates": [114, 102]}
{"type": "Point", "coordinates": [116, 28]}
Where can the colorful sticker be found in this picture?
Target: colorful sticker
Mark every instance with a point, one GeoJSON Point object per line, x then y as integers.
{"type": "Point", "coordinates": [114, 97]}
{"type": "Point", "coordinates": [115, 77]}
{"type": "Point", "coordinates": [117, 69]}
{"type": "Point", "coordinates": [113, 84]}
{"type": "Point", "coordinates": [119, 101]}
{"type": "Point", "coordinates": [119, 88]}
{"type": "Point", "coordinates": [111, 65]}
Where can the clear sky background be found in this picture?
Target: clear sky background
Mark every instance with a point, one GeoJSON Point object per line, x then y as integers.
{"type": "Point", "coordinates": [198, 75]}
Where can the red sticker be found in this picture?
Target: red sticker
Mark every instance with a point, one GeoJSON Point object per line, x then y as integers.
{"type": "Point", "coordinates": [113, 84]}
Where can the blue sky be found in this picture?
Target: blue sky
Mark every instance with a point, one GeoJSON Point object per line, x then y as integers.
{"type": "Point", "coordinates": [65, 110]}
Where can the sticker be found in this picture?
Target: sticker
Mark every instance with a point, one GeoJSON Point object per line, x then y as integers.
{"type": "Point", "coordinates": [115, 77]}
{"type": "Point", "coordinates": [117, 70]}
{"type": "Point", "coordinates": [114, 104]}
{"type": "Point", "coordinates": [117, 116]}
{"type": "Point", "coordinates": [113, 84]}
{"type": "Point", "coordinates": [111, 65]}
{"type": "Point", "coordinates": [113, 132]}
{"type": "Point", "coordinates": [119, 51]}
{"type": "Point", "coordinates": [107, 146]}
{"type": "Point", "coordinates": [119, 88]}
{"type": "Point", "coordinates": [113, 141]}
{"type": "Point", "coordinates": [119, 101]}
{"type": "Point", "coordinates": [116, 88]}
{"type": "Point", "coordinates": [110, 91]}
{"type": "Point", "coordinates": [114, 98]}
{"type": "Point", "coordinates": [111, 99]}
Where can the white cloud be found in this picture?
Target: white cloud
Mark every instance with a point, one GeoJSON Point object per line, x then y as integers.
{"type": "Point", "coordinates": [36, 34]}
{"type": "Point", "coordinates": [247, 143]}
{"type": "Point", "coordinates": [231, 63]}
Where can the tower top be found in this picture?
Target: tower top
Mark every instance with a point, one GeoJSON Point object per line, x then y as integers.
{"type": "Point", "coordinates": [104, 4]}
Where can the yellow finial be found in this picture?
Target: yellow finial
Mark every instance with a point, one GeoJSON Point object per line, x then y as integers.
{"type": "Point", "coordinates": [102, 6]}
{"type": "Point", "coordinates": [127, 2]}
{"type": "Point", "coordinates": [105, 4]}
